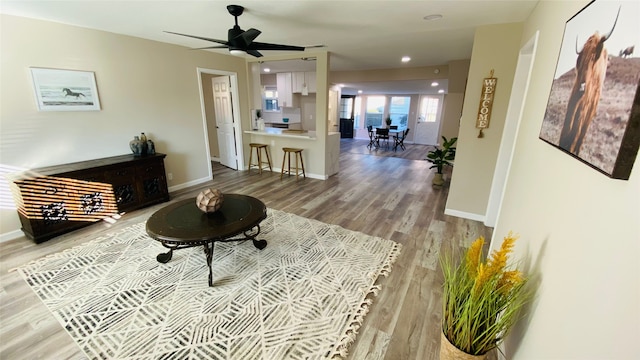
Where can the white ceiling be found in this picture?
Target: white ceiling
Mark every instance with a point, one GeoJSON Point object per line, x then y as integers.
{"type": "Point", "coordinates": [359, 34]}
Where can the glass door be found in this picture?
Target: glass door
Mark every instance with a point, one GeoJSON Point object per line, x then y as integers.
{"type": "Point", "coordinates": [428, 124]}
{"type": "Point", "coordinates": [346, 115]}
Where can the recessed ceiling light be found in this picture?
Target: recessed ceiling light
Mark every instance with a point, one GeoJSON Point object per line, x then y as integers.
{"type": "Point", "coordinates": [433, 17]}
{"type": "Point", "coordinates": [359, 91]}
{"type": "Point", "coordinates": [267, 70]}
{"type": "Point", "coordinates": [341, 85]}
{"type": "Point", "coordinates": [440, 91]}
{"type": "Point", "coordinates": [435, 83]}
{"type": "Point", "coordinates": [406, 59]}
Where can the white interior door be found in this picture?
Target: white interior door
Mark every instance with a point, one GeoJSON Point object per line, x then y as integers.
{"type": "Point", "coordinates": [428, 123]}
{"type": "Point", "coordinates": [224, 121]}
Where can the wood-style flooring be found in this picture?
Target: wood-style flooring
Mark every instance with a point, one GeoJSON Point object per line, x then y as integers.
{"type": "Point", "coordinates": [378, 192]}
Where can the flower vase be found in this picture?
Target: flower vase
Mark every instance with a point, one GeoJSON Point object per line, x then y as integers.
{"type": "Point", "coordinates": [136, 146]}
{"type": "Point", "coordinates": [143, 139]}
{"type": "Point", "coordinates": [151, 147]}
{"type": "Point", "coordinates": [449, 352]}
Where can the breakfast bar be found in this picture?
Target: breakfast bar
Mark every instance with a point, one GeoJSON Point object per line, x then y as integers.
{"type": "Point", "coordinates": [296, 134]}
{"type": "Point", "coordinates": [320, 155]}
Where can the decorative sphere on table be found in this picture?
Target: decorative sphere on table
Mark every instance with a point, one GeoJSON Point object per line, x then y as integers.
{"type": "Point", "coordinates": [209, 200]}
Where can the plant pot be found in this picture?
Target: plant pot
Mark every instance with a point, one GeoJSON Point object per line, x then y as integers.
{"type": "Point", "coordinates": [438, 180]}
{"type": "Point", "coordinates": [449, 352]}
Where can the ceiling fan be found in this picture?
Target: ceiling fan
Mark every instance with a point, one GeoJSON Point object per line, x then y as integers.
{"type": "Point", "coordinates": [240, 42]}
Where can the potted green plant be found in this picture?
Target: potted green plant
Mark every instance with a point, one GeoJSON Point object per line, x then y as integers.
{"type": "Point", "coordinates": [482, 300]}
{"type": "Point", "coordinates": [441, 157]}
{"type": "Point", "coordinates": [388, 121]}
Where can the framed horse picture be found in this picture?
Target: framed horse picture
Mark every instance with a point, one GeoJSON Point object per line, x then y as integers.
{"type": "Point", "coordinates": [65, 90]}
{"type": "Point", "coordinates": [593, 112]}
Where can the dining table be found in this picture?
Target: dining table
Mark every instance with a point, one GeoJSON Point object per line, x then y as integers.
{"type": "Point", "coordinates": [392, 133]}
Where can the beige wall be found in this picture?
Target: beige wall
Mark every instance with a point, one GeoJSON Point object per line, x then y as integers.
{"type": "Point", "coordinates": [458, 72]}
{"type": "Point", "coordinates": [268, 79]}
{"type": "Point", "coordinates": [144, 86]}
{"type": "Point", "coordinates": [580, 230]}
{"type": "Point", "coordinates": [494, 47]}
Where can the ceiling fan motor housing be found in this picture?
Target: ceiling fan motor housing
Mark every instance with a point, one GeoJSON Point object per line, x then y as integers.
{"type": "Point", "coordinates": [234, 38]}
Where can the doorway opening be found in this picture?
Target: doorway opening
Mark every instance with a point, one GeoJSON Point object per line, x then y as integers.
{"type": "Point", "coordinates": [510, 132]}
{"type": "Point", "coordinates": [232, 147]}
{"type": "Point", "coordinates": [347, 107]}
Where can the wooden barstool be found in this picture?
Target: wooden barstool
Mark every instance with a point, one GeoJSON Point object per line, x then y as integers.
{"type": "Point", "coordinates": [287, 158]}
{"type": "Point", "coordinates": [260, 163]}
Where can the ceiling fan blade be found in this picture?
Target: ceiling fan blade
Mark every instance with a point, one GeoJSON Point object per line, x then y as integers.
{"type": "Point", "coordinates": [211, 47]}
{"type": "Point", "coordinates": [255, 53]}
{"type": "Point", "coordinates": [314, 46]}
{"type": "Point", "coordinates": [201, 38]}
{"type": "Point", "coordinates": [248, 36]}
{"type": "Point", "coordinates": [267, 46]}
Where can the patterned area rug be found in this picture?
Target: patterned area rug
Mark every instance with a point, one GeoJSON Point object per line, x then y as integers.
{"type": "Point", "coordinates": [302, 297]}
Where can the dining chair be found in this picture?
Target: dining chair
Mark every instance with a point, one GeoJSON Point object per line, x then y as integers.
{"type": "Point", "coordinates": [393, 127]}
{"type": "Point", "coordinates": [372, 139]}
{"type": "Point", "coordinates": [382, 134]}
{"type": "Point", "coordinates": [399, 140]}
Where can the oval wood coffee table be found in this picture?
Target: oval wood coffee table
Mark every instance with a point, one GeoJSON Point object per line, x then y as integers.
{"type": "Point", "coordinates": [182, 225]}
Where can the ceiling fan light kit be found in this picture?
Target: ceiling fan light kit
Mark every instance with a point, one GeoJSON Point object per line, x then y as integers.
{"type": "Point", "coordinates": [240, 42]}
{"type": "Point", "coordinates": [237, 52]}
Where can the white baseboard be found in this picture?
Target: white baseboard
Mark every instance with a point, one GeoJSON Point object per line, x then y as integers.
{"type": "Point", "coordinates": [188, 184]}
{"type": "Point", "coordinates": [316, 176]}
{"type": "Point", "coordinates": [11, 235]}
{"type": "Point", "coordinates": [464, 215]}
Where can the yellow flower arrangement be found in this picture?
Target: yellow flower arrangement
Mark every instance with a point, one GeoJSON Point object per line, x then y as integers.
{"type": "Point", "coordinates": [482, 298]}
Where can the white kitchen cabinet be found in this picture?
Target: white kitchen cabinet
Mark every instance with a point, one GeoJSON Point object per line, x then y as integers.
{"type": "Point", "coordinates": [285, 93]}
{"type": "Point", "coordinates": [299, 78]}
{"type": "Point", "coordinates": [310, 78]}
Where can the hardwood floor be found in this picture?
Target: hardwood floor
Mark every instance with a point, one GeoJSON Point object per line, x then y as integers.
{"type": "Point", "coordinates": [380, 193]}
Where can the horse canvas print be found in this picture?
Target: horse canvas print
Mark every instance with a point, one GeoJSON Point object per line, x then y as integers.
{"type": "Point", "coordinates": [65, 90]}
{"type": "Point", "coordinates": [593, 111]}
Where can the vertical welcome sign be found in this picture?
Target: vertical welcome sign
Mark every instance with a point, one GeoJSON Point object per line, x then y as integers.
{"type": "Point", "coordinates": [486, 103]}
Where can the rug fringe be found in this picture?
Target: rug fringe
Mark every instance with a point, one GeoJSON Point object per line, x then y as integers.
{"type": "Point", "coordinates": [341, 350]}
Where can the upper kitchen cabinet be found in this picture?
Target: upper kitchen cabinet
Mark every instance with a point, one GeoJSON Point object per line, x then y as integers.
{"type": "Point", "coordinates": [289, 83]}
{"type": "Point", "coordinates": [302, 79]}
{"type": "Point", "coordinates": [285, 93]}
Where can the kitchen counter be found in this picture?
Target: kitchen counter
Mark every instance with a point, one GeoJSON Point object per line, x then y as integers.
{"type": "Point", "coordinates": [321, 158]}
{"type": "Point", "coordinates": [298, 134]}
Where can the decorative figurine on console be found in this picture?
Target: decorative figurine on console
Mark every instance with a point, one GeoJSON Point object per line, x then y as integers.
{"type": "Point", "coordinates": [140, 145]}
{"type": "Point", "coordinates": [210, 200]}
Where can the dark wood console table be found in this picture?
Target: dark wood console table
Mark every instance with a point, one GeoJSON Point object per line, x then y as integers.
{"type": "Point", "coordinates": [57, 199]}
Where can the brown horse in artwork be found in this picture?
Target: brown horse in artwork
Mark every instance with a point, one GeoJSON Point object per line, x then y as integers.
{"type": "Point", "coordinates": [590, 70]}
